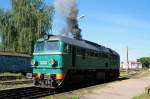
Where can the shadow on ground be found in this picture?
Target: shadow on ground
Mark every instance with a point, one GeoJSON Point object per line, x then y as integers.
{"type": "Point", "coordinates": [72, 87]}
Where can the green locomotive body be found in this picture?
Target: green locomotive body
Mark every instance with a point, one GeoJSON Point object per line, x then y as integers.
{"type": "Point", "coordinates": [57, 60]}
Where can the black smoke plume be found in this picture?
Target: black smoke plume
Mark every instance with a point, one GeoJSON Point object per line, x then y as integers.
{"type": "Point", "coordinates": [68, 9]}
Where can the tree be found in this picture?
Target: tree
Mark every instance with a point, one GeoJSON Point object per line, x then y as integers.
{"type": "Point", "coordinates": [145, 61]}
{"type": "Point", "coordinates": [6, 28]}
{"type": "Point", "coordinates": [27, 21]}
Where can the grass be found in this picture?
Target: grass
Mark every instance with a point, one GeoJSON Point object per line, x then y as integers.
{"type": "Point", "coordinates": [11, 76]}
{"type": "Point", "coordinates": [6, 74]}
{"type": "Point", "coordinates": [123, 73]}
{"type": "Point", "coordinates": [143, 73]}
{"type": "Point", "coordinates": [62, 97]}
{"type": "Point", "coordinates": [135, 74]}
{"type": "Point", "coordinates": [143, 96]}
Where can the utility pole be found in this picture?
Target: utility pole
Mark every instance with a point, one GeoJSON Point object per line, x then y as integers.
{"type": "Point", "coordinates": [127, 59]}
{"type": "Point", "coordinates": [149, 61]}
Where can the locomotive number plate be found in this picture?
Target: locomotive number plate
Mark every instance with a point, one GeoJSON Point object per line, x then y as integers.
{"type": "Point", "coordinates": [43, 62]}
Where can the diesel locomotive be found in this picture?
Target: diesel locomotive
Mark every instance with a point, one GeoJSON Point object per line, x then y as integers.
{"type": "Point", "coordinates": [58, 60]}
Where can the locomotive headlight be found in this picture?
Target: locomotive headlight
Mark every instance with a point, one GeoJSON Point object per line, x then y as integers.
{"type": "Point", "coordinates": [52, 62]}
{"type": "Point", "coordinates": [32, 62]}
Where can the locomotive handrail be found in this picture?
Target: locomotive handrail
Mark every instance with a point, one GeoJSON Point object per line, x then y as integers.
{"type": "Point", "coordinates": [58, 67]}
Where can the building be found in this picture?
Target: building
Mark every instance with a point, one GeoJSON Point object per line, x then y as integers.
{"type": "Point", "coordinates": [132, 65]}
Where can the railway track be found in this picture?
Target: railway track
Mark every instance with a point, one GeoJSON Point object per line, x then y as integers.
{"type": "Point", "coordinates": [14, 82]}
{"type": "Point", "coordinates": [34, 92]}
{"type": "Point", "coordinates": [25, 93]}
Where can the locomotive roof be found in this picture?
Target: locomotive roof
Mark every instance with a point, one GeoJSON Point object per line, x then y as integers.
{"type": "Point", "coordinates": [82, 43]}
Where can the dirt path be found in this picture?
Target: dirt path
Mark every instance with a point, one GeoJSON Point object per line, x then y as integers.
{"type": "Point", "coordinates": [124, 89]}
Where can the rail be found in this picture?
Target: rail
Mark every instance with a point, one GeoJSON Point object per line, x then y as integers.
{"type": "Point", "coordinates": [25, 93]}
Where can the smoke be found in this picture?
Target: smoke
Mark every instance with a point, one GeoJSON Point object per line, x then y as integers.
{"type": "Point", "coordinates": [68, 9]}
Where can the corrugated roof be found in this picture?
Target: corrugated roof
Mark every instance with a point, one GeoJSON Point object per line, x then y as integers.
{"type": "Point", "coordinates": [14, 54]}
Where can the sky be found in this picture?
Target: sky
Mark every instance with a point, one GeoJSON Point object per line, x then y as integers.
{"type": "Point", "coordinates": [113, 23]}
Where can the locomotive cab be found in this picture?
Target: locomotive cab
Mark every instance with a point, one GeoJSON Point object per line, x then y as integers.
{"type": "Point", "coordinates": [47, 63]}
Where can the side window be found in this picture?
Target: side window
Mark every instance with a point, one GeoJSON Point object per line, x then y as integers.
{"type": "Point", "coordinates": [67, 48]}
{"type": "Point", "coordinates": [79, 51]}
{"type": "Point", "coordinates": [106, 64]}
{"type": "Point", "coordinates": [83, 53]}
{"type": "Point", "coordinates": [86, 52]}
{"type": "Point", "coordinates": [70, 49]}
{"type": "Point", "coordinates": [96, 54]}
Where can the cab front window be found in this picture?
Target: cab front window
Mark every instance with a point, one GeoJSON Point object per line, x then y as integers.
{"type": "Point", "coordinates": [53, 45]}
{"type": "Point", "coordinates": [39, 46]}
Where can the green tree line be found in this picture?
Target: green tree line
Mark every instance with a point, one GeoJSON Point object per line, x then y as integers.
{"type": "Point", "coordinates": [145, 62]}
{"type": "Point", "coordinates": [26, 22]}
